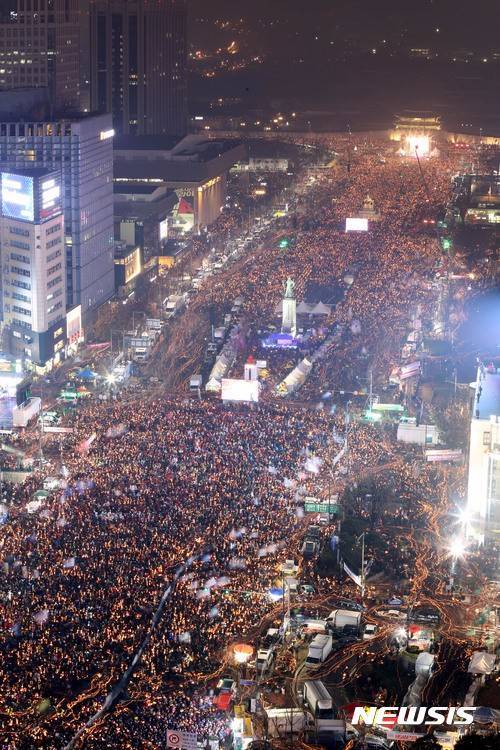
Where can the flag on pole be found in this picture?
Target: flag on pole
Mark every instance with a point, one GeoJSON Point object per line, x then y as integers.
{"type": "Point", "coordinates": [352, 575]}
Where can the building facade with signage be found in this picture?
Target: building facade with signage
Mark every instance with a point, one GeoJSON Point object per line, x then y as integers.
{"type": "Point", "coordinates": [195, 167]}
{"type": "Point", "coordinates": [483, 497]}
{"type": "Point", "coordinates": [82, 148]}
{"type": "Point", "coordinates": [33, 265]}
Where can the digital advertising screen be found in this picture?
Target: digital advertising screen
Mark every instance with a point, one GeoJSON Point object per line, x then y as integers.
{"type": "Point", "coordinates": [240, 390]}
{"type": "Point", "coordinates": [356, 225]}
{"type": "Point", "coordinates": [50, 198]}
{"type": "Point", "coordinates": [17, 197]}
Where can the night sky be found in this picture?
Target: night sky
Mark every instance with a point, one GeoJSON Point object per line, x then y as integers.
{"type": "Point", "coordinates": [460, 22]}
{"type": "Point", "coordinates": [356, 57]}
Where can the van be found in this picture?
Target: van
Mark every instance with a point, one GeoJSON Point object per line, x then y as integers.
{"type": "Point", "coordinates": [264, 661]}
{"type": "Point", "coordinates": [370, 631]}
{"type": "Point", "coordinates": [309, 549]}
{"type": "Point", "coordinates": [195, 383]}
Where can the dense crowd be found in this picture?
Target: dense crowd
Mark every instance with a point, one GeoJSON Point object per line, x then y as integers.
{"type": "Point", "coordinates": [83, 575]}
{"type": "Point", "coordinates": [150, 484]}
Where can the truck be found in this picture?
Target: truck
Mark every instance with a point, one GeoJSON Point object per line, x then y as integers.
{"type": "Point", "coordinates": [319, 700]}
{"type": "Point", "coordinates": [195, 383]}
{"type": "Point", "coordinates": [339, 618]}
{"type": "Point", "coordinates": [309, 626]}
{"type": "Point", "coordinates": [309, 549]}
{"type": "Point", "coordinates": [283, 722]}
{"type": "Point", "coordinates": [23, 414]}
{"type": "Point", "coordinates": [264, 661]}
{"type": "Point", "coordinates": [173, 304]}
{"type": "Point", "coordinates": [319, 650]}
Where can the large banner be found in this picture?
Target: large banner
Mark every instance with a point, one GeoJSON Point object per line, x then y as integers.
{"type": "Point", "coordinates": [240, 390]}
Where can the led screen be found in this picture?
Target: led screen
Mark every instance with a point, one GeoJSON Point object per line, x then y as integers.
{"type": "Point", "coordinates": [356, 225]}
{"type": "Point", "coordinates": [50, 198]}
{"type": "Point", "coordinates": [17, 197]}
{"type": "Point", "coordinates": [240, 390]}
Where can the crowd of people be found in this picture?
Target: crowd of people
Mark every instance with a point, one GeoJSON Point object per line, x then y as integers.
{"type": "Point", "coordinates": [146, 485]}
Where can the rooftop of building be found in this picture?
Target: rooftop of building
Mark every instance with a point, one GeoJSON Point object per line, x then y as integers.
{"type": "Point", "coordinates": [195, 159]}
{"type": "Point", "coordinates": [192, 147]}
{"type": "Point", "coordinates": [488, 390]}
{"type": "Point", "coordinates": [27, 171]}
{"type": "Point", "coordinates": [146, 142]}
{"type": "Point", "coordinates": [138, 188]}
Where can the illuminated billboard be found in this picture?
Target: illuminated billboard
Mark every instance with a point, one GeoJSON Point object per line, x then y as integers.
{"type": "Point", "coordinates": [50, 198]}
{"type": "Point", "coordinates": [240, 390]}
{"type": "Point", "coordinates": [74, 328]}
{"type": "Point", "coordinates": [356, 225]}
{"type": "Point", "coordinates": [164, 229]}
{"type": "Point", "coordinates": [18, 197]}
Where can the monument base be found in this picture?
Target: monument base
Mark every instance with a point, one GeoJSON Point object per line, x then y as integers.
{"type": "Point", "coordinates": [289, 316]}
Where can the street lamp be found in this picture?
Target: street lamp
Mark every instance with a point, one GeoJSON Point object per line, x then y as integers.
{"type": "Point", "coordinates": [456, 550]}
{"type": "Point", "coordinates": [242, 653]}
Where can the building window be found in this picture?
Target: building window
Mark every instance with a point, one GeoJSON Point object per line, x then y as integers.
{"type": "Point", "coordinates": [20, 245]}
{"type": "Point", "coordinates": [21, 284]}
{"type": "Point", "coordinates": [55, 307]}
{"type": "Point", "coordinates": [53, 269]}
{"type": "Point", "coordinates": [19, 271]}
{"type": "Point", "coordinates": [53, 256]}
{"type": "Point", "coordinates": [21, 297]}
{"type": "Point", "coordinates": [21, 310]}
{"type": "Point", "coordinates": [19, 231]}
{"type": "Point", "coordinates": [54, 282]}
{"type": "Point", "coordinates": [486, 438]}
{"type": "Point", "coordinates": [20, 258]}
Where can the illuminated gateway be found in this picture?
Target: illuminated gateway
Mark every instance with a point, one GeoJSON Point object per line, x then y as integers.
{"type": "Point", "coordinates": [416, 132]}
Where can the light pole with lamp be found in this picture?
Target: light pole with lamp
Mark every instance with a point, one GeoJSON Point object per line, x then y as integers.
{"type": "Point", "coordinates": [457, 550]}
{"type": "Point", "coordinates": [242, 653]}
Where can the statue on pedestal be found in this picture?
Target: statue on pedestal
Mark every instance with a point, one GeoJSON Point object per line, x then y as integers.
{"type": "Point", "coordinates": [368, 204]}
{"type": "Point", "coordinates": [289, 288]}
{"type": "Point", "coordinates": [289, 316]}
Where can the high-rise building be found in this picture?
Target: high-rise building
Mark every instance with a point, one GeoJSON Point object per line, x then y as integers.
{"type": "Point", "coordinates": [82, 148]}
{"type": "Point", "coordinates": [33, 264]}
{"type": "Point", "coordinates": [40, 47]}
{"type": "Point", "coordinates": [138, 64]}
{"type": "Point", "coordinates": [483, 498]}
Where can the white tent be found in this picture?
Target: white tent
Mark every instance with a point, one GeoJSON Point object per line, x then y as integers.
{"type": "Point", "coordinates": [322, 309]}
{"type": "Point", "coordinates": [304, 308]}
{"type": "Point", "coordinates": [297, 377]}
{"type": "Point", "coordinates": [481, 663]}
{"type": "Point", "coordinates": [424, 663]}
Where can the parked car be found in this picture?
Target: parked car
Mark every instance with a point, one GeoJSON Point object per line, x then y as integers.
{"type": "Point", "coordinates": [370, 631]}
